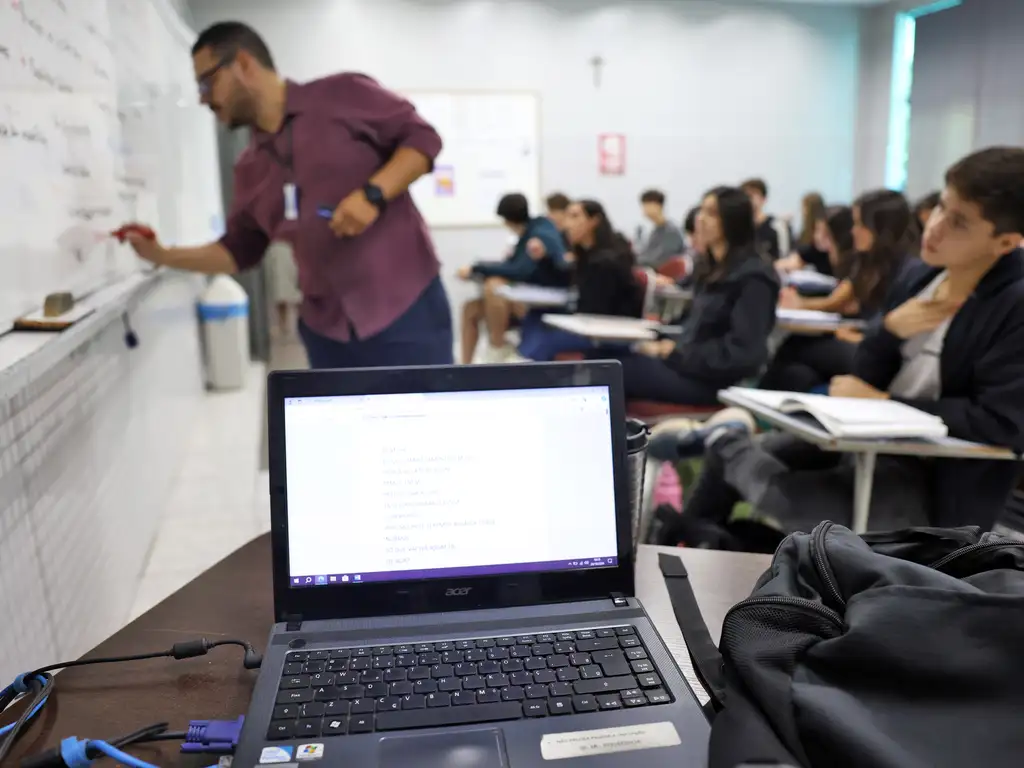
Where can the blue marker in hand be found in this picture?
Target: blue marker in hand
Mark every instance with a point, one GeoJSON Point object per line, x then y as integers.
{"type": "Point", "coordinates": [324, 212]}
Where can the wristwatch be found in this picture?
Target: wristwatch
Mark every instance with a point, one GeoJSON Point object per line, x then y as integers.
{"type": "Point", "coordinates": [376, 196]}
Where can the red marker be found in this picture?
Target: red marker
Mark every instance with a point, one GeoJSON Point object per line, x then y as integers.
{"type": "Point", "coordinates": [133, 229]}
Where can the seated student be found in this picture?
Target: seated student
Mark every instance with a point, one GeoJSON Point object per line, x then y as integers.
{"type": "Point", "coordinates": [603, 277]}
{"type": "Point", "coordinates": [538, 258]}
{"type": "Point", "coordinates": [871, 245]}
{"type": "Point", "coordinates": [923, 209]}
{"type": "Point", "coordinates": [665, 240]}
{"type": "Point", "coordinates": [558, 207]}
{"type": "Point", "coordinates": [807, 254]}
{"type": "Point", "coordinates": [951, 343]}
{"type": "Point", "coordinates": [772, 238]}
{"type": "Point", "coordinates": [725, 337]}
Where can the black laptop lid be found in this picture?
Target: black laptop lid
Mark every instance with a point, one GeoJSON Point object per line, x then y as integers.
{"type": "Point", "coordinates": [428, 489]}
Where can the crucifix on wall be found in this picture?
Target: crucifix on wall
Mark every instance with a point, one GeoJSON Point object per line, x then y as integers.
{"type": "Point", "coordinates": [597, 63]}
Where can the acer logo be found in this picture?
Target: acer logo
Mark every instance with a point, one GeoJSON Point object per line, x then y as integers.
{"type": "Point", "coordinates": [457, 592]}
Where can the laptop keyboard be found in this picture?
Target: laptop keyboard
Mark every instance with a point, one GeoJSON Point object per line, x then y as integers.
{"type": "Point", "coordinates": [427, 685]}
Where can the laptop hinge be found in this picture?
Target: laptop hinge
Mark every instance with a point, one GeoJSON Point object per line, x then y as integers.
{"type": "Point", "coordinates": [619, 600]}
{"type": "Point", "coordinates": [293, 622]}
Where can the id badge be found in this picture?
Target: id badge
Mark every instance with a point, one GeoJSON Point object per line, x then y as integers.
{"type": "Point", "coordinates": [291, 202]}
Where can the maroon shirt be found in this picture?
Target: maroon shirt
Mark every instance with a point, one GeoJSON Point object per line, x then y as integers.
{"type": "Point", "coordinates": [337, 133]}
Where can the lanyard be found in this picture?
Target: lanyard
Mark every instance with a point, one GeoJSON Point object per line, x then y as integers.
{"type": "Point", "coordinates": [287, 162]}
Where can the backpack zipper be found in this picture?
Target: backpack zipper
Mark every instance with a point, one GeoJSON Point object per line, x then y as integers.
{"type": "Point", "coordinates": [972, 549]}
{"type": "Point", "coordinates": [821, 562]}
{"type": "Point", "coordinates": [792, 602]}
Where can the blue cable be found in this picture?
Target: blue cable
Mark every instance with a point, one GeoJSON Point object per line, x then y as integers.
{"type": "Point", "coordinates": [19, 687]}
{"type": "Point", "coordinates": [74, 753]}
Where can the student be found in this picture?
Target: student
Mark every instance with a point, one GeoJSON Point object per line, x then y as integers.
{"type": "Point", "coordinates": [883, 239]}
{"type": "Point", "coordinates": [951, 343]}
{"type": "Point", "coordinates": [538, 258]}
{"type": "Point", "coordinates": [807, 254]}
{"type": "Point", "coordinates": [665, 241]}
{"type": "Point", "coordinates": [923, 209]}
{"type": "Point", "coordinates": [772, 236]}
{"type": "Point", "coordinates": [603, 277]}
{"type": "Point", "coordinates": [558, 206]}
{"type": "Point", "coordinates": [725, 337]}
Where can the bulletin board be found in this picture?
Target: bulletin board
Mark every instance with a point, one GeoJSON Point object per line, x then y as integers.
{"type": "Point", "coordinates": [491, 147]}
{"type": "Point", "coordinates": [99, 124]}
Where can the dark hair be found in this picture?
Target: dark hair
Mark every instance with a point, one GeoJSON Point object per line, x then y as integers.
{"type": "Point", "coordinates": [812, 211]}
{"type": "Point", "coordinates": [229, 37]}
{"type": "Point", "coordinates": [605, 236]}
{"type": "Point", "coordinates": [514, 208]}
{"type": "Point", "coordinates": [887, 214]}
{"type": "Point", "coordinates": [690, 224]}
{"type": "Point", "coordinates": [557, 202]}
{"type": "Point", "coordinates": [993, 179]}
{"type": "Point", "coordinates": [839, 220]}
{"type": "Point", "coordinates": [736, 213]}
{"type": "Point", "coordinates": [757, 185]}
{"type": "Point", "coordinates": [653, 196]}
{"type": "Point", "coordinates": [926, 203]}
{"type": "Point", "coordinates": [604, 273]}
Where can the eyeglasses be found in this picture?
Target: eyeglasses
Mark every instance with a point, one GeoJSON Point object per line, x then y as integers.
{"type": "Point", "coordinates": [205, 79]}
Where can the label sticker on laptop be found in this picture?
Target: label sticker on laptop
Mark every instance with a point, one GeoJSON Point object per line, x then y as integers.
{"type": "Point", "coordinates": [309, 752]}
{"type": "Point", "coordinates": [276, 755]}
{"type": "Point", "coordinates": [607, 741]}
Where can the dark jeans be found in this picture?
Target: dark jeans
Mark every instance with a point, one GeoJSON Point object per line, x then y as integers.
{"type": "Point", "coordinates": [803, 363]}
{"type": "Point", "coordinates": [542, 343]}
{"type": "Point", "coordinates": [799, 485]}
{"type": "Point", "coordinates": [421, 336]}
{"type": "Point", "coordinates": [648, 378]}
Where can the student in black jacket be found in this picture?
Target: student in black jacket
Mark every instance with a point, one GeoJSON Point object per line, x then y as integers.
{"type": "Point", "coordinates": [603, 263]}
{"type": "Point", "coordinates": [951, 343]}
{"type": "Point", "coordinates": [772, 236]}
{"type": "Point", "coordinates": [872, 245]}
{"type": "Point", "coordinates": [725, 337]}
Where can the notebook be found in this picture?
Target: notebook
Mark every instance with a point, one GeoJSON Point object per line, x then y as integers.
{"type": "Point", "coordinates": [852, 417]}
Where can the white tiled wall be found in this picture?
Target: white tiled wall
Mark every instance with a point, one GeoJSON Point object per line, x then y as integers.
{"type": "Point", "coordinates": [92, 434]}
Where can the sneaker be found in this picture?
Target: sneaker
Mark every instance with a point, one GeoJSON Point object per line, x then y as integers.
{"type": "Point", "coordinates": [497, 355]}
{"type": "Point", "coordinates": [681, 444]}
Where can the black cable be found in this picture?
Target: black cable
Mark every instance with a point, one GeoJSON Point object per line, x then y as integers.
{"type": "Point", "coordinates": [40, 681]}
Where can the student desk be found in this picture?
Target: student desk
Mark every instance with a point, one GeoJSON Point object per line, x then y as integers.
{"type": "Point", "coordinates": [866, 451]}
{"type": "Point", "coordinates": [672, 300]}
{"type": "Point", "coordinates": [609, 328]}
{"type": "Point", "coordinates": [812, 323]}
{"type": "Point", "coordinates": [536, 296]}
{"type": "Point", "coordinates": [234, 600]}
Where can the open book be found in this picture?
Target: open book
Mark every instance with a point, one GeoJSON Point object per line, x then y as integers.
{"type": "Point", "coordinates": [851, 417]}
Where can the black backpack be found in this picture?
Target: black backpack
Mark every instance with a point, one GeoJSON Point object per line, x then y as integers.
{"type": "Point", "coordinates": [888, 650]}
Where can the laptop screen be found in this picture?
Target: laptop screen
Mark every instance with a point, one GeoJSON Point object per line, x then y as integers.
{"type": "Point", "coordinates": [448, 484]}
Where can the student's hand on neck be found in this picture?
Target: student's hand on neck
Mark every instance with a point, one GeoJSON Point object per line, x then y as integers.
{"type": "Point", "coordinates": [960, 283]}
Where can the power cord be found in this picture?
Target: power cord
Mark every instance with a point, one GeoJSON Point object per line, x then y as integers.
{"type": "Point", "coordinates": [39, 685]}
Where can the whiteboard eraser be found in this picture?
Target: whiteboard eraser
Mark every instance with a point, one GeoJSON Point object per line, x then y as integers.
{"type": "Point", "coordinates": [57, 304]}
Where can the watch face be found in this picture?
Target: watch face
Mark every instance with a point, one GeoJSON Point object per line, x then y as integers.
{"type": "Point", "coordinates": [374, 194]}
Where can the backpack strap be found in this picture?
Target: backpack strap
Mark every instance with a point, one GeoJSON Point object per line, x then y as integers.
{"type": "Point", "coordinates": [707, 660]}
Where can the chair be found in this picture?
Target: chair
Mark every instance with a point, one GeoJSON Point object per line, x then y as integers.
{"type": "Point", "coordinates": [676, 268]}
{"type": "Point", "coordinates": [651, 412]}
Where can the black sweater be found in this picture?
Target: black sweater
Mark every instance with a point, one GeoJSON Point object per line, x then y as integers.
{"type": "Point", "coordinates": [982, 400]}
{"type": "Point", "coordinates": [725, 337]}
{"type": "Point", "coordinates": [606, 284]}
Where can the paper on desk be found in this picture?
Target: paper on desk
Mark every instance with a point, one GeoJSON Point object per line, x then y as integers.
{"type": "Point", "coordinates": [806, 316]}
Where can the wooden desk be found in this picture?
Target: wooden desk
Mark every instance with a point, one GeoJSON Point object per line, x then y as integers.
{"type": "Point", "coordinates": [608, 328]}
{"type": "Point", "coordinates": [234, 600]}
{"type": "Point", "coordinates": [865, 451]}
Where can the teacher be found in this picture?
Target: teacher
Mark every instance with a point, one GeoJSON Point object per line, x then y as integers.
{"type": "Point", "coordinates": [328, 168]}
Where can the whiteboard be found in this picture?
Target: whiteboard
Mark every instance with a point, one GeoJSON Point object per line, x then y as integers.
{"type": "Point", "coordinates": [491, 148]}
{"type": "Point", "coordinates": [99, 124]}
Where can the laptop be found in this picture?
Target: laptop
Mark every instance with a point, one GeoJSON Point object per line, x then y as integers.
{"type": "Point", "coordinates": [453, 577]}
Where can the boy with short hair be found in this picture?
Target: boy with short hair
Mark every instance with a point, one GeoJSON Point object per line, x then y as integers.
{"type": "Point", "coordinates": [538, 258]}
{"type": "Point", "coordinates": [558, 206]}
{"type": "Point", "coordinates": [772, 235]}
{"type": "Point", "coordinates": [666, 240]}
{"type": "Point", "coordinates": [950, 343]}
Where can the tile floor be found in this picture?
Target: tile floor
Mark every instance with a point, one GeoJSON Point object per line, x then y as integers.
{"type": "Point", "coordinates": [220, 500]}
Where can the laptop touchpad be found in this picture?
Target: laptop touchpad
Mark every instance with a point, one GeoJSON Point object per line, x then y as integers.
{"type": "Point", "coordinates": [459, 749]}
